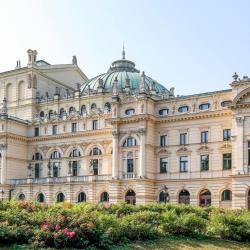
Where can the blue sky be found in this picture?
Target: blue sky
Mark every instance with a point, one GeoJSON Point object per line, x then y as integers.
{"type": "Point", "coordinates": [195, 46]}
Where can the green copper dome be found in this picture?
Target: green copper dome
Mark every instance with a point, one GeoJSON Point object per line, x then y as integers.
{"type": "Point", "coordinates": [126, 74]}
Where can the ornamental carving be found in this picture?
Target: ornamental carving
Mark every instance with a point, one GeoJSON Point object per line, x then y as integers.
{"type": "Point", "coordinates": [183, 150]}
{"type": "Point", "coordinates": [226, 146]}
{"type": "Point", "coordinates": [3, 147]}
{"type": "Point", "coordinates": [163, 151]}
{"type": "Point", "coordinates": [204, 148]}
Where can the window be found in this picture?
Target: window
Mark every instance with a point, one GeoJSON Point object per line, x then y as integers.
{"type": "Point", "coordinates": [104, 197]}
{"type": "Point", "coordinates": [183, 109]}
{"type": "Point", "coordinates": [40, 197]}
{"type": "Point", "coordinates": [95, 151]}
{"type": "Point", "coordinates": [129, 112]}
{"type": "Point", "coordinates": [107, 106]}
{"type": "Point", "coordinates": [226, 134]}
{"type": "Point", "coordinates": [183, 164]}
{"type": "Point", "coordinates": [21, 197]}
{"type": "Point", "coordinates": [226, 195]}
{"type": "Point", "coordinates": [36, 132]}
{"type": "Point", "coordinates": [248, 151]}
{"type": "Point", "coordinates": [183, 138]}
{"type": "Point", "coordinates": [42, 114]}
{"type": "Point", "coordinates": [37, 157]}
{"type": "Point", "coordinates": [61, 112]}
{"type": "Point", "coordinates": [204, 137]}
{"type": "Point", "coordinates": [74, 168]}
{"type": "Point", "coordinates": [163, 140]}
{"type": "Point", "coordinates": [81, 197]}
{"type": "Point", "coordinates": [163, 112]}
{"type": "Point", "coordinates": [164, 197]}
{"type": "Point", "coordinates": [55, 155]}
{"type": "Point", "coordinates": [83, 109]}
{"type": "Point", "coordinates": [54, 129]}
{"type": "Point", "coordinates": [204, 162]}
{"type": "Point", "coordinates": [75, 153]}
{"type": "Point", "coordinates": [50, 114]}
{"type": "Point", "coordinates": [94, 124]}
{"type": "Point", "coordinates": [130, 142]}
{"type": "Point", "coordinates": [227, 161]}
{"type": "Point", "coordinates": [93, 106]}
{"type": "Point", "coordinates": [130, 165]}
{"type": "Point", "coordinates": [73, 127]}
{"type": "Point", "coordinates": [95, 164]}
{"type": "Point", "coordinates": [60, 197]}
{"type": "Point", "coordinates": [55, 168]}
{"type": "Point", "coordinates": [37, 170]}
{"type": "Point", "coordinates": [226, 103]}
{"type": "Point", "coordinates": [71, 110]}
{"type": "Point", "coordinates": [163, 165]}
{"type": "Point", "coordinates": [204, 106]}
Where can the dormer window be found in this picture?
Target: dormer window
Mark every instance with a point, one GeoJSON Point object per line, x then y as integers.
{"type": "Point", "coordinates": [226, 103]}
{"type": "Point", "coordinates": [183, 109]}
{"type": "Point", "coordinates": [129, 112]}
{"type": "Point", "coordinates": [204, 106]}
{"type": "Point", "coordinates": [163, 112]}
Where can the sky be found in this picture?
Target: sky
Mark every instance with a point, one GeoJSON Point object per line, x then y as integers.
{"type": "Point", "coordinates": [194, 46]}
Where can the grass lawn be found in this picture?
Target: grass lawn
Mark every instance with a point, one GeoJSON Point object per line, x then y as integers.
{"type": "Point", "coordinates": [168, 244]}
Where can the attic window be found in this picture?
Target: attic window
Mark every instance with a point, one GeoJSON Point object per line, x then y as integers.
{"type": "Point", "coordinates": [163, 112]}
{"type": "Point", "coordinates": [183, 109]}
{"type": "Point", "coordinates": [204, 106]}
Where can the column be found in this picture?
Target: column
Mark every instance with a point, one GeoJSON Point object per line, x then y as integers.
{"type": "Point", "coordinates": [142, 167]}
{"type": "Point", "coordinates": [115, 156]}
{"type": "Point", "coordinates": [3, 150]}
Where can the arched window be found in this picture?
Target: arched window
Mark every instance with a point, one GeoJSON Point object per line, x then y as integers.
{"type": "Point", "coordinates": [104, 197]}
{"type": "Point", "coordinates": [21, 90]}
{"type": "Point", "coordinates": [55, 155]}
{"type": "Point", "coordinates": [40, 197]}
{"type": "Point", "coordinates": [37, 157]}
{"type": "Point", "coordinates": [107, 106]}
{"type": "Point", "coordinates": [95, 151]}
{"type": "Point", "coordinates": [130, 142]}
{"type": "Point", "coordinates": [42, 114]}
{"type": "Point", "coordinates": [93, 106]}
{"type": "Point", "coordinates": [71, 110]}
{"type": "Point", "coordinates": [204, 106]}
{"type": "Point", "coordinates": [81, 197]}
{"type": "Point", "coordinates": [226, 195]}
{"type": "Point", "coordinates": [75, 153]}
{"type": "Point", "coordinates": [50, 114]}
{"type": "Point", "coordinates": [61, 112]}
{"type": "Point", "coordinates": [163, 112]}
{"type": "Point", "coordinates": [130, 197]}
{"type": "Point", "coordinates": [164, 197]}
{"type": "Point", "coordinates": [205, 198]}
{"type": "Point", "coordinates": [83, 109]}
{"type": "Point", "coordinates": [184, 197]}
{"type": "Point", "coordinates": [183, 109]}
{"type": "Point", "coordinates": [129, 112]}
{"type": "Point", "coordinates": [60, 197]}
{"type": "Point", "coordinates": [21, 197]}
{"type": "Point", "coordinates": [226, 103]}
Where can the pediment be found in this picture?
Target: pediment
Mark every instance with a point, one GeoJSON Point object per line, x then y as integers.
{"type": "Point", "coordinates": [163, 151]}
{"type": "Point", "coordinates": [204, 148]}
{"type": "Point", "coordinates": [183, 150]}
{"type": "Point", "coordinates": [226, 146]}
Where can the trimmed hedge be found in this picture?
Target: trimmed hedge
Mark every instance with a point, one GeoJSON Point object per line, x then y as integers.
{"type": "Point", "coordinates": [89, 225]}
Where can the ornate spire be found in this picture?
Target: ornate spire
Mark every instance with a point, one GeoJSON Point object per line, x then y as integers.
{"type": "Point", "coordinates": [123, 52]}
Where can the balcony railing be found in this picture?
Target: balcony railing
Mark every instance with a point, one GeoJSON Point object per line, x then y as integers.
{"type": "Point", "coordinates": [129, 176]}
{"type": "Point", "coordinates": [62, 179]}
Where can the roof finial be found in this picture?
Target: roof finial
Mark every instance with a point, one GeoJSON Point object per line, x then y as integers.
{"type": "Point", "coordinates": [123, 52]}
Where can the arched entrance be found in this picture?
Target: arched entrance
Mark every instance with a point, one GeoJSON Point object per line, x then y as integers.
{"type": "Point", "coordinates": [248, 200]}
{"type": "Point", "coordinates": [205, 198]}
{"type": "Point", "coordinates": [130, 197]}
{"type": "Point", "coordinates": [184, 197]}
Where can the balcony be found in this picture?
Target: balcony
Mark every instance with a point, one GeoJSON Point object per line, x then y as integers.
{"type": "Point", "coordinates": [63, 179]}
{"type": "Point", "coordinates": [129, 176]}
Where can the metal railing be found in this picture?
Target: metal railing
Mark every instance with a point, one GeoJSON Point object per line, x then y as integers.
{"type": "Point", "coordinates": [129, 176]}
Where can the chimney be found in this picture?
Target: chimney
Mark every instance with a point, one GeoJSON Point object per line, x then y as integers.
{"type": "Point", "coordinates": [32, 56]}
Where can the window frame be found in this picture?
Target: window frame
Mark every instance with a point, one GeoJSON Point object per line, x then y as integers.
{"type": "Point", "coordinates": [227, 161]}
{"type": "Point", "coordinates": [183, 164]}
{"type": "Point", "coordinates": [204, 163]}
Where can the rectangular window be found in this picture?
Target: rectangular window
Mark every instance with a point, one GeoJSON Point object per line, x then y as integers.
{"type": "Point", "coordinates": [183, 138]}
{"type": "Point", "coordinates": [94, 124]}
{"type": "Point", "coordinates": [163, 140]}
{"type": "Point", "coordinates": [183, 164]}
{"type": "Point", "coordinates": [55, 169]}
{"type": "Point", "coordinates": [74, 168]}
{"type": "Point", "coordinates": [204, 162]}
{"type": "Point", "coordinates": [73, 127]}
{"type": "Point", "coordinates": [204, 137]}
{"type": "Point", "coordinates": [95, 166]}
{"type": "Point", "coordinates": [226, 134]}
{"type": "Point", "coordinates": [227, 161]}
{"type": "Point", "coordinates": [54, 129]}
{"type": "Point", "coordinates": [163, 165]}
{"type": "Point", "coordinates": [37, 170]}
{"type": "Point", "coordinates": [130, 165]}
{"type": "Point", "coordinates": [36, 131]}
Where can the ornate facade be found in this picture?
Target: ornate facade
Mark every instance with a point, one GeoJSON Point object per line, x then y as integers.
{"type": "Point", "coordinates": [121, 136]}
